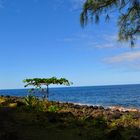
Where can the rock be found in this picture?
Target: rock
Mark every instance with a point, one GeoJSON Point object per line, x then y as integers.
{"type": "Point", "coordinates": [97, 113]}
{"type": "Point", "coordinates": [95, 107]}
{"type": "Point", "coordinates": [65, 115]}
{"type": "Point", "coordinates": [77, 106]}
{"type": "Point", "coordinates": [19, 104]}
{"type": "Point", "coordinates": [116, 115]}
{"type": "Point", "coordinates": [91, 107]}
{"type": "Point", "coordinates": [12, 105]}
{"type": "Point", "coordinates": [101, 107]}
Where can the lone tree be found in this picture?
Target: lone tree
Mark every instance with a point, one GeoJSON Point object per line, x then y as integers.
{"type": "Point", "coordinates": [128, 12]}
{"type": "Point", "coordinates": [38, 83]}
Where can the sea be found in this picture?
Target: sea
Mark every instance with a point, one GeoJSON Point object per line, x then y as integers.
{"type": "Point", "coordinates": [107, 96]}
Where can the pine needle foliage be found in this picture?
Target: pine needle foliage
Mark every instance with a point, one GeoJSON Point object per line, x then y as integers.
{"type": "Point", "coordinates": [128, 19]}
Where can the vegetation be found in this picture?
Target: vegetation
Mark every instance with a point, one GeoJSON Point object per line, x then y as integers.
{"type": "Point", "coordinates": [54, 121]}
{"type": "Point", "coordinates": [38, 83]}
{"type": "Point", "coordinates": [53, 108]}
{"type": "Point", "coordinates": [128, 12]}
{"type": "Point", "coordinates": [30, 101]}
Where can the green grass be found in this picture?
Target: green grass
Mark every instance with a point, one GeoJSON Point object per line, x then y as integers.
{"type": "Point", "coordinates": [35, 119]}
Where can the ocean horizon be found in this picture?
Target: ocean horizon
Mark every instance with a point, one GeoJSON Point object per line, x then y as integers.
{"type": "Point", "coordinates": [107, 95]}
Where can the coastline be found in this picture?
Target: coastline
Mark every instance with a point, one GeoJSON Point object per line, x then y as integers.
{"type": "Point", "coordinates": [52, 120]}
{"type": "Point", "coordinates": [119, 108]}
{"type": "Point", "coordinates": [113, 108]}
{"type": "Point", "coordinates": [106, 96]}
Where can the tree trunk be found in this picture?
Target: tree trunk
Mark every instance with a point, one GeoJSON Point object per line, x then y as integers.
{"type": "Point", "coordinates": [47, 93]}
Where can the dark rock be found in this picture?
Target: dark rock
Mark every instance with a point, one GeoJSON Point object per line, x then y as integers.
{"type": "Point", "coordinates": [77, 106]}
{"type": "Point", "coordinates": [116, 114]}
{"type": "Point", "coordinates": [8, 96]}
{"type": "Point", "coordinates": [101, 107]}
{"type": "Point", "coordinates": [65, 115]}
{"type": "Point", "coordinates": [91, 107]}
{"type": "Point", "coordinates": [95, 107]}
{"type": "Point", "coordinates": [19, 104]}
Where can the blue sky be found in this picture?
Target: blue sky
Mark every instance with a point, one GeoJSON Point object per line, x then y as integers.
{"type": "Point", "coordinates": [43, 38]}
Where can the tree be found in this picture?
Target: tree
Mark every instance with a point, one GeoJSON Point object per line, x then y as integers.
{"type": "Point", "coordinates": [38, 83]}
{"type": "Point", "coordinates": [128, 16]}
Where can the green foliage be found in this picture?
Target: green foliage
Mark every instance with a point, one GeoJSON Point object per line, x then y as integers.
{"type": "Point", "coordinates": [82, 121]}
{"type": "Point", "coordinates": [125, 121]}
{"type": "Point", "coordinates": [128, 19]}
{"type": "Point", "coordinates": [42, 106]}
{"type": "Point", "coordinates": [30, 101]}
{"type": "Point", "coordinates": [53, 108]}
{"type": "Point", "coordinates": [39, 82]}
{"type": "Point", "coordinates": [83, 118]}
{"type": "Point", "coordinates": [99, 122]}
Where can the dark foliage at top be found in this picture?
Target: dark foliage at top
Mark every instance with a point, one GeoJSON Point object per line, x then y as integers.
{"type": "Point", "coordinates": [128, 16]}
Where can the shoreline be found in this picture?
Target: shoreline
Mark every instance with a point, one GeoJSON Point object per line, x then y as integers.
{"type": "Point", "coordinates": [46, 119]}
{"type": "Point", "coordinates": [113, 108]}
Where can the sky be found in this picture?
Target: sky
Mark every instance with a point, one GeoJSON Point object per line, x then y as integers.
{"type": "Point", "coordinates": [44, 38]}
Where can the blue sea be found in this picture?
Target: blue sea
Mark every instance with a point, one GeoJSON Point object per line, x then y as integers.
{"type": "Point", "coordinates": [116, 95]}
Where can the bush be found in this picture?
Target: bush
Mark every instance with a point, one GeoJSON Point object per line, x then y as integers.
{"type": "Point", "coordinates": [53, 108]}
{"type": "Point", "coordinates": [124, 121]}
{"type": "Point", "coordinates": [100, 122]}
{"type": "Point", "coordinates": [30, 101]}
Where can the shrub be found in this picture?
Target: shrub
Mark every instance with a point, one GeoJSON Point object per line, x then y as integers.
{"type": "Point", "coordinates": [53, 108]}
{"type": "Point", "coordinates": [30, 101]}
{"type": "Point", "coordinates": [124, 121]}
{"type": "Point", "coordinates": [100, 122]}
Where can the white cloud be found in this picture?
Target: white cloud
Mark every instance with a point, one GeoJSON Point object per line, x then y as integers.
{"type": "Point", "coordinates": [104, 46]}
{"type": "Point", "coordinates": [105, 41]}
{"type": "Point", "coordinates": [124, 57]}
{"type": "Point", "coordinates": [78, 37]}
{"type": "Point", "coordinates": [128, 61]}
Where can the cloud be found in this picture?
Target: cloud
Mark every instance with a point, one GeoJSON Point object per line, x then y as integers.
{"type": "Point", "coordinates": [110, 41]}
{"type": "Point", "coordinates": [105, 41]}
{"type": "Point", "coordinates": [128, 60]}
{"type": "Point", "coordinates": [94, 40]}
{"type": "Point", "coordinates": [103, 46]}
{"type": "Point", "coordinates": [124, 57]}
{"type": "Point", "coordinates": [78, 37]}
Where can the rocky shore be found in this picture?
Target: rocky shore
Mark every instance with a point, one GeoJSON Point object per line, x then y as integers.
{"type": "Point", "coordinates": [56, 120]}
{"type": "Point", "coordinates": [113, 112]}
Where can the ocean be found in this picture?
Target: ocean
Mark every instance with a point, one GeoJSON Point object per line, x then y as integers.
{"type": "Point", "coordinates": [116, 95]}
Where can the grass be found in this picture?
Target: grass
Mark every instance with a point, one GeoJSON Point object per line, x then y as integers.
{"type": "Point", "coordinates": [41, 120]}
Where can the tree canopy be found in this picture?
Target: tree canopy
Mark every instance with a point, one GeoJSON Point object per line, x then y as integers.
{"type": "Point", "coordinates": [39, 82]}
{"type": "Point", "coordinates": [128, 16]}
